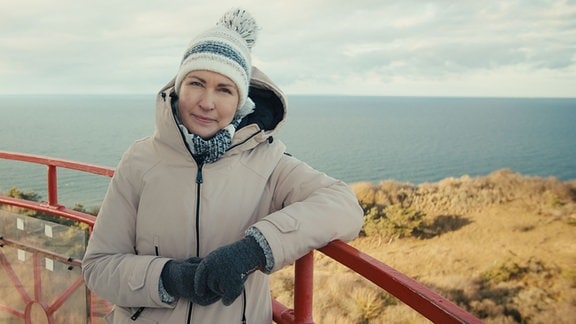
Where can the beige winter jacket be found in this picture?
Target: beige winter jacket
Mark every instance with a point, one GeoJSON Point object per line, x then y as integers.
{"type": "Point", "coordinates": [160, 205]}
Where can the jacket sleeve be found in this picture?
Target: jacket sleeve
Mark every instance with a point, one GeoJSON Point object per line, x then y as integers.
{"type": "Point", "coordinates": [312, 209]}
{"type": "Point", "coordinates": [111, 267]}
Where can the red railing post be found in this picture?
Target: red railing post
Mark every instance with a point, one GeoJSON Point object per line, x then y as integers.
{"type": "Point", "coordinates": [37, 276]}
{"type": "Point", "coordinates": [304, 289]}
{"type": "Point", "coordinates": [52, 186]}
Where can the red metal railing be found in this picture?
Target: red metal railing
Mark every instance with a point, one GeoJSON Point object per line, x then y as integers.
{"type": "Point", "coordinates": [425, 301]}
{"type": "Point", "coordinates": [37, 302]}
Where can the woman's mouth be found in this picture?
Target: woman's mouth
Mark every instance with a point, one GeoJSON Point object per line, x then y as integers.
{"type": "Point", "coordinates": [204, 120]}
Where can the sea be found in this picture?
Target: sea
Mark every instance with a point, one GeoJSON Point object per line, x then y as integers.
{"type": "Point", "coordinates": [353, 138]}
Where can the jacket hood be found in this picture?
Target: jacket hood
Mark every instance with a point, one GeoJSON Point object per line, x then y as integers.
{"type": "Point", "coordinates": [265, 121]}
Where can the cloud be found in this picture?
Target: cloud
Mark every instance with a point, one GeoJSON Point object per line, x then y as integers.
{"type": "Point", "coordinates": [451, 41]}
{"type": "Point", "coordinates": [342, 47]}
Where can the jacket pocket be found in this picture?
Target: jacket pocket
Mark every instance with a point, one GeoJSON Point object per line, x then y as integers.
{"type": "Point", "coordinates": [137, 278]}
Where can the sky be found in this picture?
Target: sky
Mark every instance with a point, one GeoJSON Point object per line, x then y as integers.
{"type": "Point", "coordinates": [464, 48]}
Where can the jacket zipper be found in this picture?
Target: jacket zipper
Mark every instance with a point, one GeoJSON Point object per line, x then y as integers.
{"type": "Point", "coordinates": [244, 308]}
{"type": "Point", "coordinates": [199, 181]}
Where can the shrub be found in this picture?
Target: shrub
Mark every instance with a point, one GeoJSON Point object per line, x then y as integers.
{"type": "Point", "coordinates": [369, 304]}
{"type": "Point", "coordinates": [392, 222]}
{"type": "Point", "coordinates": [19, 194]}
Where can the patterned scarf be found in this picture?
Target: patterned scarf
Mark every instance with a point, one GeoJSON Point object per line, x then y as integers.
{"type": "Point", "coordinates": [210, 150]}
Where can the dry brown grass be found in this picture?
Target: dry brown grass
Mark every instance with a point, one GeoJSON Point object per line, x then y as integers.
{"type": "Point", "coordinates": [502, 247]}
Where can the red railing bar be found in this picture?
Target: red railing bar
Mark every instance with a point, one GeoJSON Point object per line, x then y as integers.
{"type": "Point", "coordinates": [282, 314]}
{"type": "Point", "coordinates": [33, 249]}
{"type": "Point", "coordinates": [28, 313]}
{"type": "Point", "coordinates": [52, 164]}
{"type": "Point", "coordinates": [14, 278]}
{"type": "Point", "coordinates": [62, 163]}
{"type": "Point", "coordinates": [43, 207]}
{"type": "Point", "coordinates": [65, 295]}
{"type": "Point", "coordinates": [12, 311]}
{"type": "Point", "coordinates": [428, 303]}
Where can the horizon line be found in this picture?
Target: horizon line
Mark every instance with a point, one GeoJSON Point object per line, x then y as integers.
{"type": "Point", "coordinates": [308, 95]}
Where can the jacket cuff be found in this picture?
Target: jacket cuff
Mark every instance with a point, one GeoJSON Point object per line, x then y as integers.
{"type": "Point", "coordinates": [165, 297]}
{"type": "Point", "coordinates": [256, 234]}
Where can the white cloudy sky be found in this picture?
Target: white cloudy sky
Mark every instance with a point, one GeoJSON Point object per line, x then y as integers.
{"type": "Point", "coordinates": [354, 47]}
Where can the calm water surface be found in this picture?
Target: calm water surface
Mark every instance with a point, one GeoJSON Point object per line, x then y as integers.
{"type": "Point", "coordinates": [352, 138]}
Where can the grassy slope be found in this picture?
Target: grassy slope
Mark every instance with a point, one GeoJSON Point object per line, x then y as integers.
{"type": "Point", "coordinates": [505, 250]}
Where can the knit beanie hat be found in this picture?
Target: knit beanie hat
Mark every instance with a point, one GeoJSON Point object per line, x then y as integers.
{"type": "Point", "coordinates": [224, 49]}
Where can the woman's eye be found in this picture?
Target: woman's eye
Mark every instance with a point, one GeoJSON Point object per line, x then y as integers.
{"type": "Point", "coordinates": [226, 90]}
{"type": "Point", "coordinates": [195, 84]}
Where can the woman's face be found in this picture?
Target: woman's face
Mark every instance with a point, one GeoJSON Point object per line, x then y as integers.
{"type": "Point", "coordinates": [207, 102]}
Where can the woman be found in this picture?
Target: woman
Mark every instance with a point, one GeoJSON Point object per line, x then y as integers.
{"type": "Point", "coordinates": [199, 213]}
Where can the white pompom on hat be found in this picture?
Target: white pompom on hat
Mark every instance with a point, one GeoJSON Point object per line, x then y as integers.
{"type": "Point", "coordinates": [224, 49]}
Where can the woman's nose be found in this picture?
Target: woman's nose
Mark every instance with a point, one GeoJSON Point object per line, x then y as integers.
{"type": "Point", "coordinates": [207, 101]}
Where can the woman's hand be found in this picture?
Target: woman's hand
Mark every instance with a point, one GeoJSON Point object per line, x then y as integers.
{"type": "Point", "coordinates": [178, 280]}
{"type": "Point", "coordinates": [224, 271]}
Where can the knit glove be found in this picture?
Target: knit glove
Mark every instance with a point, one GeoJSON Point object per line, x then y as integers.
{"type": "Point", "coordinates": [224, 271]}
{"type": "Point", "coordinates": [178, 280]}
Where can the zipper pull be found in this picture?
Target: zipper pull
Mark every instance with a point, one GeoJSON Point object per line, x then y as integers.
{"type": "Point", "coordinates": [199, 176]}
{"type": "Point", "coordinates": [137, 314]}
